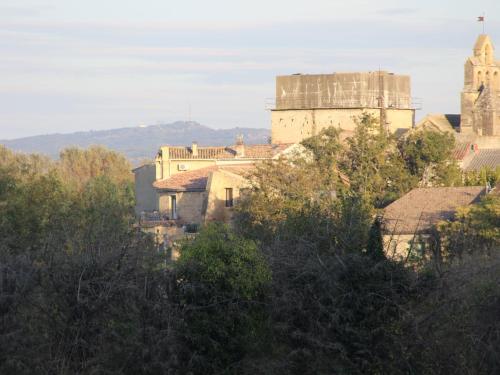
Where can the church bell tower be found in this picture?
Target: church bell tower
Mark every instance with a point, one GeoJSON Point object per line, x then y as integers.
{"type": "Point", "coordinates": [480, 99]}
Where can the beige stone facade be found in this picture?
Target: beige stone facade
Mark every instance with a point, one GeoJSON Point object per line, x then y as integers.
{"type": "Point", "coordinates": [146, 197]}
{"type": "Point", "coordinates": [477, 128]}
{"type": "Point", "coordinates": [306, 104]}
{"type": "Point", "coordinates": [189, 199]}
{"type": "Point", "coordinates": [192, 185]}
{"type": "Point", "coordinates": [206, 194]}
{"type": "Point", "coordinates": [218, 186]}
{"type": "Point", "coordinates": [294, 125]}
{"type": "Point", "coordinates": [172, 160]}
{"type": "Point", "coordinates": [184, 206]}
{"type": "Point", "coordinates": [480, 100]}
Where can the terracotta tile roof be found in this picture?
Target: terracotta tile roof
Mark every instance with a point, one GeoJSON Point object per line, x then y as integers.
{"type": "Point", "coordinates": [240, 169]}
{"type": "Point", "coordinates": [484, 158]}
{"type": "Point", "coordinates": [421, 208]}
{"type": "Point", "coordinates": [251, 152]}
{"type": "Point", "coordinates": [196, 180]}
{"type": "Point", "coordinates": [265, 151]}
{"type": "Point", "coordinates": [461, 150]}
{"type": "Point", "coordinates": [203, 153]}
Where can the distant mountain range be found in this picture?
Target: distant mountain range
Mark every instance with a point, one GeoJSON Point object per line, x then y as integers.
{"type": "Point", "coordinates": [138, 143]}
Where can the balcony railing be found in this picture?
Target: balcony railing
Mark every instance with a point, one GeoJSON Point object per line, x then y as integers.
{"type": "Point", "coordinates": [151, 218]}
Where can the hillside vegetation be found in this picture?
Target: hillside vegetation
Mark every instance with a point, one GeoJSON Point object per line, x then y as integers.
{"type": "Point", "coordinates": [300, 284]}
{"type": "Point", "coordinates": [138, 143]}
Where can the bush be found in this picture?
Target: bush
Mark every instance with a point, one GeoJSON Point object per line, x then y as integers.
{"type": "Point", "coordinates": [334, 314]}
{"type": "Point", "coordinates": [222, 283]}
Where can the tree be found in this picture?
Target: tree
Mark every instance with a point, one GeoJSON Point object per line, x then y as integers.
{"type": "Point", "coordinates": [281, 196]}
{"type": "Point", "coordinates": [74, 275]}
{"type": "Point", "coordinates": [24, 166]}
{"type": "Point", "coordinates": [372, 163]}
{"type": "Point", "coordinates": [484, 176]}
{"type": "Point", "coordinates": [428, 156]}
{"type": "Point", "coordinates": [102, 214]}
{"type": "Point", "coordinates": [29, 210]}
{"type": "Point", "coordinates": [77, 166]}
{"type": "Point", "coordinates": [307, 198]}
{"type": "Point", "coordinates": [452, 326]}
{"type": "Point", "coordinates": [475, 228]}
{"type": "Point", "coordinates": [332, 313]}
{"type": "Point", "coordinates": [325, 149]}
{"type": "Point", "coordinates": [375, 246]}
{"type": "Point", "coordinates": [222, 281]}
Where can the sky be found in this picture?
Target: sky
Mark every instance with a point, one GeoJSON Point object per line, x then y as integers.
{"type": "Point", "coordinates": [72, 65]}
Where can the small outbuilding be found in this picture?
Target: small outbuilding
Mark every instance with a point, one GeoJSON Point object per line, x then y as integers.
{"type": "Point", "coordinates": [408, 222]}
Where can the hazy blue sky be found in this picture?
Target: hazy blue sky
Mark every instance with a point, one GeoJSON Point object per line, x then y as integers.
{"type": "Point", "coordinates": [68, 65]}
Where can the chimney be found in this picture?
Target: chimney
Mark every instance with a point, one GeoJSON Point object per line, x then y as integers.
{"type": "Point", "coordinates": [239, 147]}
{"type": "Point", "coordinates": [194, 149]}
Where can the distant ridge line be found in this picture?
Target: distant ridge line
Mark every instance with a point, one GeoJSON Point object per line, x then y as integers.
{"type": "Point", "coordinates": [140, 142]}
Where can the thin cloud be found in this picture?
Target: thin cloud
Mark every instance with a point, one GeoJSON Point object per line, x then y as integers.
{"type": "Point", "coordinates": [108, 73]}
{"type": "Point", "coordinates": [398, 11]}
{"type": "Point", "coordinates": [15, 11]}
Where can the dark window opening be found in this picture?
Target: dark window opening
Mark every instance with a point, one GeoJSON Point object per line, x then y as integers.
{"type": "Point", "coordinates": [173, 207]}
{"type": "Point", "coordinates": [229, 197]}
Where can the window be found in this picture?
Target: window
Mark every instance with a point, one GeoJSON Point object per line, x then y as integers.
{"type": "Point", "coordinates": [229, 197]}
{"type": "Point", "coordinates": [173, 207]}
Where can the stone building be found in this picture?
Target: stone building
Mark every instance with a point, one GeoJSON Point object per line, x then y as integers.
{"type": "Point", "coordinates": [145, 194]}
{"type": "Point", "coordinates": [477, 127]}
{"type": "Point", "coordinates": [171, 160]}
{"type": "Point", "coordinates": [188, 186]}
{"type": "Point", "coordinates": [306, 104]}
{"type": "Point", "coordinates": [177, 186]}
{"type": "Point", "coordinates": [202, 195]}
{"type": "Point", "coordinates": [480, 104]}
{"type": "Point", "coordinates": [409, 221]}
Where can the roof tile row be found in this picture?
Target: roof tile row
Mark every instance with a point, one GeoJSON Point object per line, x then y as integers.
{"type": "Point", "coordinates": [250, 152]}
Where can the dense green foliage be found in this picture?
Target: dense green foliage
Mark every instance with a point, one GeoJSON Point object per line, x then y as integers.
{"type": "Point", "coordinates": [482, 177]}
{"type": "Point", "coordinates": [374, 165]}
{"type": "Point", "coordinates": [79, 166]}
{"type": "Point", "coordinates": [223, 280]}
{"type": "Point", "coordinates": [428, 157]}
{"type": "Point", "coordinates": [475, 228]}
{"type": "Point", "coordinates": [299, 285]}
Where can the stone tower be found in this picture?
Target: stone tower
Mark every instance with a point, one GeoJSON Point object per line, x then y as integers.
{"type": "Point", "coordinates": [480, 108]}
{"type": "Point", "coordinates": [308, 103]}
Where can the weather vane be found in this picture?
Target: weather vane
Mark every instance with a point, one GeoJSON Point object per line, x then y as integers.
{"type": "Point", "coordinates": [481, 19]}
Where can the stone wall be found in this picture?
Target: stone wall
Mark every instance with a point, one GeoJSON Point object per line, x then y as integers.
{"type": "Point", "coordinates": [189, 205]}
{"type": "Point", "coordinates": [292, 126]}
{"type": "Point", "coordinates": [398, 246]}
{"type": "Point", "coordinates": [216, 203]}
{"type": "Point", "coordinates": [145, 193]}
{"type": "Point", "coordinates": [343, 90]}
{"type": "Point", "coordinates": [480, 103]}
{"type": "Point", "coordinates": [167, 167]}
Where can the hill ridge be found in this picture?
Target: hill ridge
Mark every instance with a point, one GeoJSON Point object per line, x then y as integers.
{"type": "Point", "coordinates": [140, 142]}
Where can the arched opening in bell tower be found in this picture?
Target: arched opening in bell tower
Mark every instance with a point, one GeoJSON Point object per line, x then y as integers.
{"type": "Point", "coordinates": [488, 54]}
